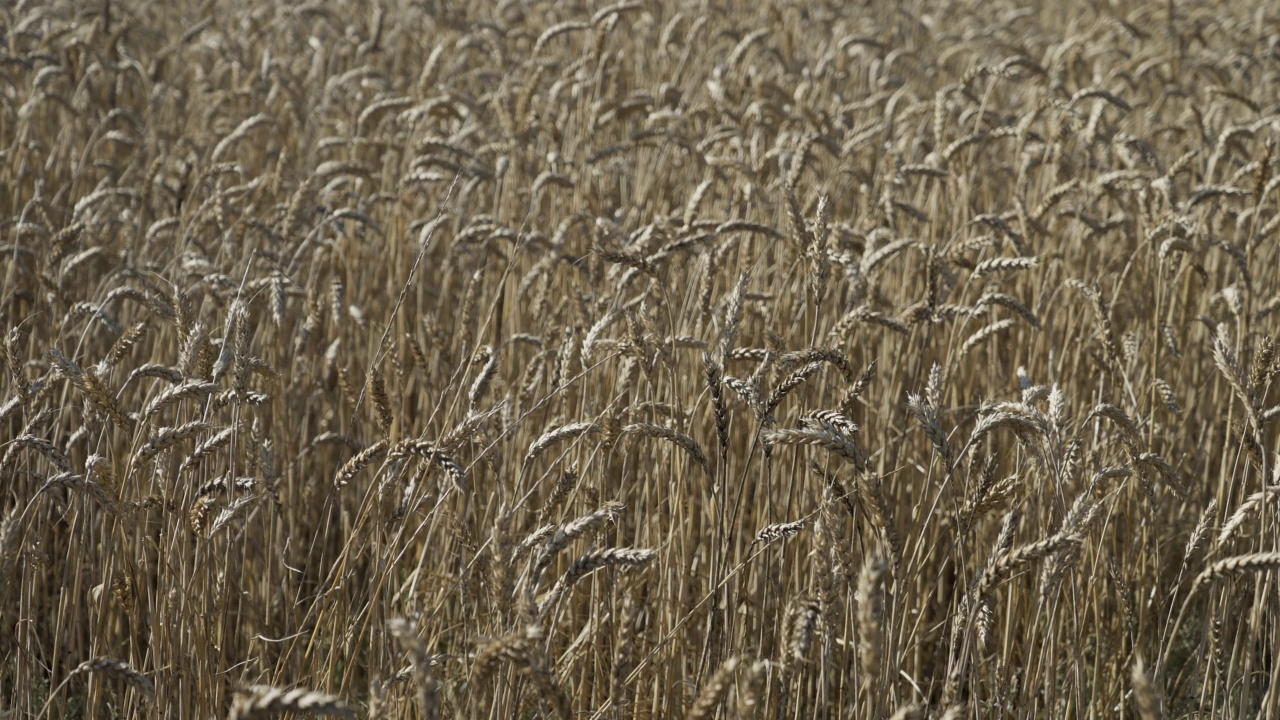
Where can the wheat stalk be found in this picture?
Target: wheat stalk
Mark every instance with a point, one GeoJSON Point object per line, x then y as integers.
{"type": "Point", "coordinates": [264, 701]}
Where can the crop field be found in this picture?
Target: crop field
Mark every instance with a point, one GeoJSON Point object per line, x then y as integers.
{"type": "Point", "coordinates": [656, 359]}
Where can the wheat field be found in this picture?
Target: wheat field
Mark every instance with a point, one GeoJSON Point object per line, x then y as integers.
{"type": "Point", "coordinates": [654, 359]}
